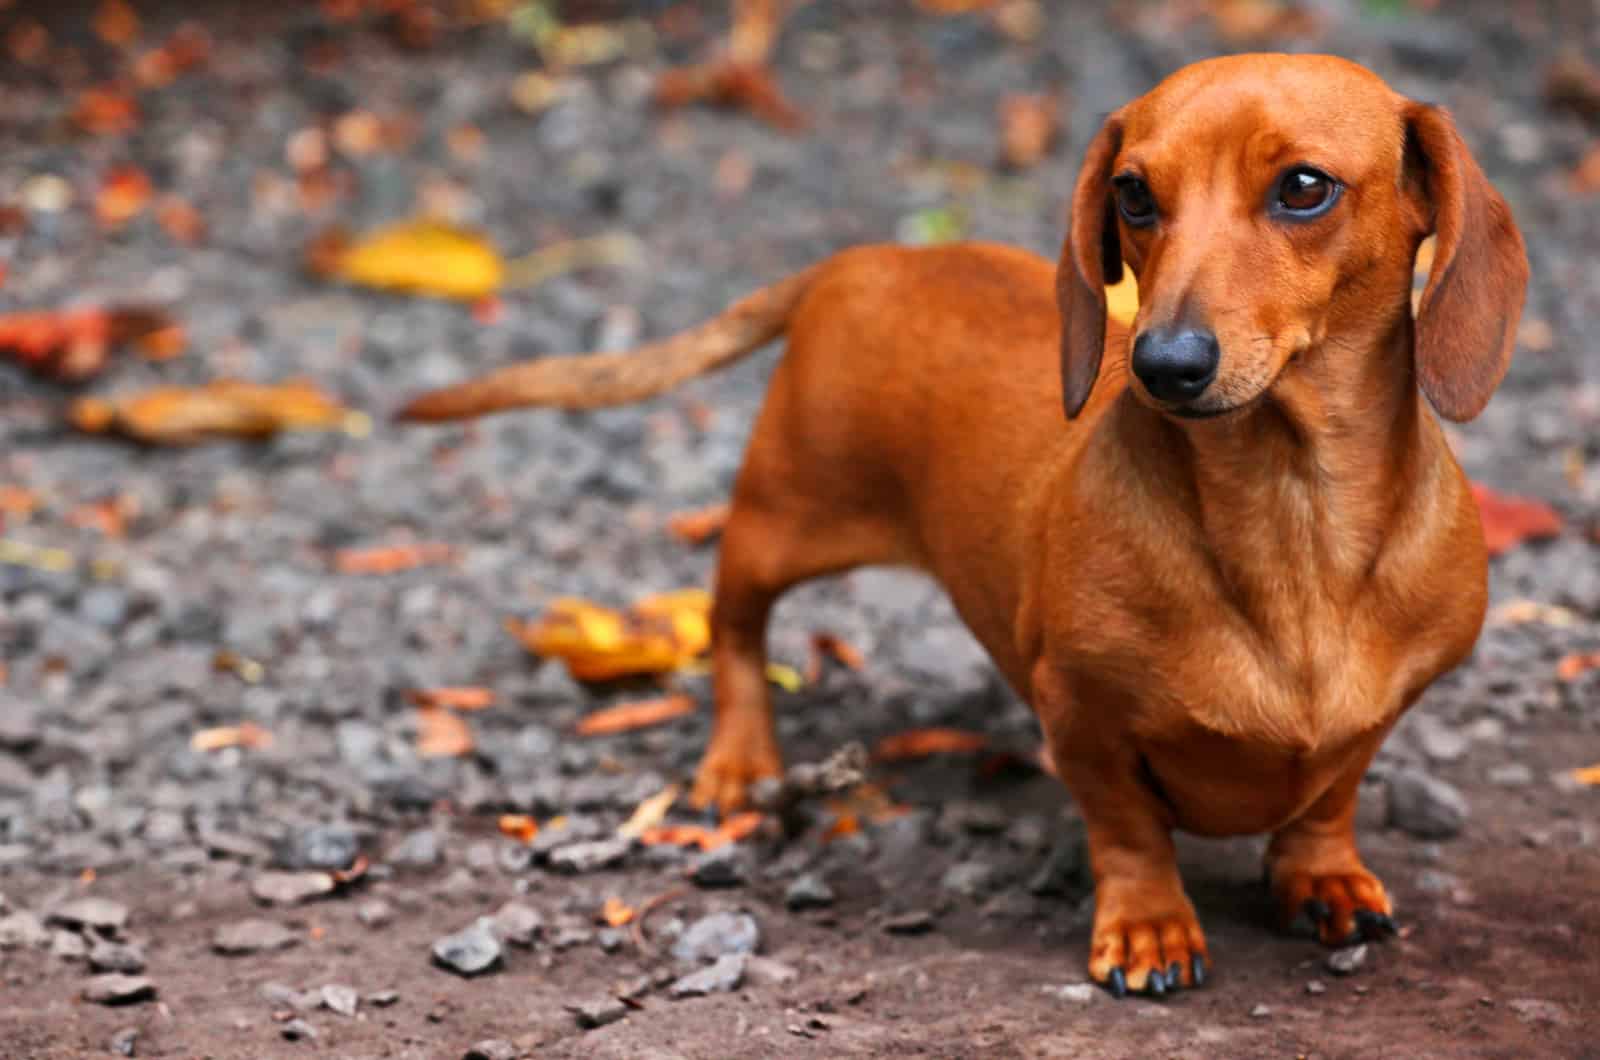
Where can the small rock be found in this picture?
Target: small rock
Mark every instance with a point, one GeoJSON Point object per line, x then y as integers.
{"type": "Point", "coordinates": [916, 922]}
{"type": "Point", "coordinates": [252, 936]}
{"type": "Point", "coordinates": [106, 956]}
{"type": "Point", "coordinates": [718, 935]}
{"type": "Point", "coordinates": [764, 971]}
{"type": "Point", "coordinates": [419, 850]}
{"type": "Point", "coordinates": [290, 888]}
{"type": "Point", "coordinates": [283, 996]}
{"type": "Point", "coordinates": [598, 1012]}
{"type": "Point", "coordinates": [22, 929]}
{"type": "Point", "coordinates": [1435, 739]}
{"type": "Point", "coordinates": [517, 924]}
{"type": "Point", "coordinates": [1511, 775]}
{"type": "Point", "coordinates": [68, 946]}
{"type": "Point", "coordinates": [969, 878]}
{"type": "Point", "coordinates": [1425, 806]}
{"type": "Point", "coordinates": [330, 847]}
{"type": "Point", "coordinates": [336, 997]}
{"type": "Point", "coordinates": [471, 951]}
{"type": "Point", "coordinates": [1315, 987]}
{"type": "Point", "coordinates": [491, 1049]}
{"type": "Point", "coordinates": [590, 855]}
{"type": "Point", "coordinates": [723, 867]}
{"type": "Point", "coordinates": [92, 914]}
{"type": "Point", "coordinates": [124, 1042]}
{"type": "Point", "coordinates": [610, 940]}
{"type": "Point", "coordinates": [568, 936]}
{"type": "Point", "coordinates": [375, 912]}
{"type": "Point", "coordinates": [1260, 1012]}
{"type": "Point", "coordinates": [1077, 993]}
{"type": "Point", "coordinates": [1532, 1010]}
{"type": "Point", "coordinates": [1347, 960]}
{"type": "Point", "coordinates": [809, 891]}
{"type": "Point", "coordinates": [116, 989]}
{"type": "Point", "coordinates": [298, 1030]}
{"type": "Point", "coordinates": [723, 976]}
{"type": "Point", "coordinates": [382, 998]}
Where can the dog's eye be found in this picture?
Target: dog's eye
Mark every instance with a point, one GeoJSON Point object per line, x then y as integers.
{"type": "Point", "coordinates": [1305, 192]}
{"type": "Point", "coordinates": [1135, 202]}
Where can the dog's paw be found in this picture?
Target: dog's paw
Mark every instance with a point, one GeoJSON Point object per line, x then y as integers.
{"type": "Point", "coordinates": [723, 781]}
{"type": "Point", "coordinates": [1337, 908]}
{"type": "Point", "coordinates": [1147, 942]}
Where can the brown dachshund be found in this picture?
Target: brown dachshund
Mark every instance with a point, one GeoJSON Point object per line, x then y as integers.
{"type": "Point", "coordinates": [1245, 548]}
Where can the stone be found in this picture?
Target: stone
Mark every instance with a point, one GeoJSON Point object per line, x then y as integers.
{"type": "Point", "coordinates": [471, 951]}
{"type": "Point", "coordinates": [1260, 1012]}
{"type": "Point", "coordinates": [1346, 961]}
{"type": "Point", "coordinates": [124, 1042]}
{"type": "Point", "coordinates": [375, 912]}
{"type": "Point", "coordinates": [330, 847]}
{"type": "Point", "coordinates": [68, 946]}
{"type": "Point", "coordinates": [723, 867]}
{"type": "Point", "coordinates": [718, 935]}
{"type": "Point", "coordinates": [419, 850]}
{"type": "Point", "coordinates": [341, 999]}
{"type": "Point", "coordinates": [598, 1012]}
{"type": "Point", "coordinates": [22, 930]}
{"type": "Point", "coordinates": [808, 891]}
{"type": "Point", "coordinates": [290, 888]}
{"type": "Point", "coordinates": [252, 936]}
{"type": "Point", "coordinates": [491, 1049]}
{"type": "Point", "coordinates": [1077, 993]}
{"type": "Point", "coordinates": [100, 915]}
{"type": "Point", "coordinates": [968, 878]}
{"type": "Point", "coordinates": [518, 924]}
{"type": "Point", "coordinates": [107, 956]}
{"type": "Point", "coordinates": [764, 971]}
{"type": "Point", "coordinates": [915, 922]}
{"type": "Point", "coordinates": [1438, 741]}
{"type": "Point", "coordinates": [719, 978]}
{"type": "Point", "coordinates": [590, 855]}
{"type": "Point", "coordinates": [1425, 806]}
{"type": "Point", "coordinates": [114, 989]}
{"type": "Point", "coordinates": [298, 1030]}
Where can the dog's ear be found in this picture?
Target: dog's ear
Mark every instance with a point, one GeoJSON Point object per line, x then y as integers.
{"type": "Point", "coordinates": [1467, 321]}
{"type": "Point", "coordinates": [1091, 258]}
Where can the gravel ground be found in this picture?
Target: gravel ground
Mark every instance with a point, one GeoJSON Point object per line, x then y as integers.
{"type": "Point", "coordinates": [156, 900]}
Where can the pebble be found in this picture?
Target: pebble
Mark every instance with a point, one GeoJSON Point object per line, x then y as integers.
{"type": "Point", "coordinates": [518, 924]}
{"type": "Point", "coordinates": [916, 922]}
{"type": "Point", "coordinates": [491, 1049]}
{"type": "Point", "coordinates": [969, 878]}
{"type": "Point", "coordinates": [598, 1012]}
{"type": "Point", "coordinates": [114, 989]}
{"type": "Point", "coordinates": [1260, 1012]}
{"type": "Point", "coordinates": [1511, 775]}
{"type": "Point", "coordinates": [418, 850]}
{"type": "Point", "coordinates": [590, 855]}
{"type": "Point", "coordinates": [1435, 739]}
{"type": "Point", "coordinates": [1315, 987]}
{"type": "Point", "coordinates": [764, 971]}
{"type": "Point", "coordinates": [124, 1042]}
{"type": "Point", "coordinates": [1533, 1010]}
{"type": "Point", "coordinates": [22, 929]}
{"type": "Point", "coordinates": [382, 998]}
{"type": "Point", "coordinates": [1346, 961]}
{"type": "Point", "coordinates": [290, 888]}
{"type": "Point", "coordinates": [718, 935]}
{"type": "Point", "coordinates": [68, 946]}
{"type": "Point", "coordinates": [106, 956]}
{"type": "Point", "coordinates": [330, 847]}
{"type": "Point", "coordinates": [471, 951]}
{"type": "Point", "coordinates": [341, 999]}
{"type": "Point", "coordinates": [252, 936]}
{"type": "Point", "coordinates": [92, 914]}
{"type": "Point", "coordinates": [1077, 993]}
{"type": "Point", "coordinates": [808, 891]}
{"type": "Point", "coordinates": [725, 866]}
{"type": "Point", "coordinates": [298, 1030]}
{"type": "Point", "coordinates": [718, 978]}
{"type": "Point", "coordinates": [1425, 806]}
{"type": "Point", "coordinates": [374, 912]}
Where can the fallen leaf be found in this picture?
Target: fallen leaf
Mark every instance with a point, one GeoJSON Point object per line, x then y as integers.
{"type": "Point", "coordinates": [74, 344]}
{"type": "Point", "coordinates": [826, 646]}
{"type": "Point", "coordinates": [657, 635]}
{"type": "Point", "coordinates": [1589, 775]}
{"type": "Point", "coordinates": [1259, 21]}
{"type": "Point", "coordinates": [1521, 612]}
{"type": "Point", "coordinates": [614, 250]}
{"type": "Point", "coordinates": [246, 734]}
{"type": "Point", "coordinates": [639, 714]}
{"type": "Point", "coordinates": [187, 49]}
{"type": "Point", "coordinates": [181, 221]}
{"type": "Point", "coordinates": [105, 111]}
{"type": "Point", "coordinates": [519, 826]}
{"type": "Point", "coordinates": [733, 829]}
{"type": "Point", "coordinates": [391, 559]}
{"type": "Point", "coordinates": [616, 912]}
{"type": "Point", "coordinates": [785, 676]}
{"type": "Point", "coordinates": [649, 813]}
{"type": "Point", "coordinates": [116, 23]}
{"type": "Point", "coordinates": [246, 669]}
{"type": "Point", "coordinates": [921, 743]}
{"type": "Point", "coordinates": [109, 517]}
{"type": "Point", "coordinates": [358, 868]}
{"type": "Point", "coordinates": [18, 502]}
{"type": "Point", "coordinates": [1573, 666]}
{"type": "Point", "coordinates": [457, 698]}
{"type": "Point", "coordinates": [123, 196]}
{"type": "Point", "coordinates": [442, 733]}
{"type": "Point", "coordinates": [224, 409]}
{"type": "Point", "coordinates": [1508, 521]}
{"type": "Point", "coordinates": [1029, 125]}
{"type": "Point", "coordinates": [700, 525]}
{"type": "Point", "coordinates": [417, 257]}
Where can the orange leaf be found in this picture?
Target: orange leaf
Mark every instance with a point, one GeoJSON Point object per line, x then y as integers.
{"type": "Point", "coordinates": [626, 717]}
{"type": "Point", "coordinates": [738, 827]}
{"type": "Point", "coordinates": [519, 826]}
{"type": "Point", "coordinates": [123, 196]}
{"type": "Point", "coordinates": [616, 912]}
{"type": "Point", "coordinates": [658, 634]}
{"type": "Point", "coordinates": [1508, 521]}
{"type": "Point", "coordinates": [14, 500]}
{"type": "Point", "coordinates": [391, 559]}
{"type": "Point", "coordinates": [106, 110]}
{"type": "Point", "coordinates": [920, 743]}
{"type": "Point", "coordinates": [246, 734]}
{"type": "Point", "coordinates": [847, 823]}
{"type": "Point", "coordinates": [700, 525]}
{"type": "Point", "coordinates": [109, 517]}
{"type": "Point", "coordinates": [825, 645]}
{"type": "Point", "coordinates": [70, 345]}
{"type": "Point", "coordinates": [1571, 667]}
{"type": "Point", "coordinates": [181, 221]}
{"type": "Point", "coordinates": [1029, 125]}
{"type": "Point", "coordinates": [458, 698]}
{"type": "Point", "coordinates": [1589, 775]}
{"type": "Point", "coordinates": [442, 733]}
{"type": "Point", "coordinates": [116, 22]}
{"type": "Point", "coordinates": [225, 408]}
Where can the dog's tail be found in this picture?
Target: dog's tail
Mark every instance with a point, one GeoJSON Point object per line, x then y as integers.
{"type": "Point", "coordinates": [596, 380]}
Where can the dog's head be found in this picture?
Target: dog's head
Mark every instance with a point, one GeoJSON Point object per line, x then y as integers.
{"type": "Point", "coordinates": [1272, 205]}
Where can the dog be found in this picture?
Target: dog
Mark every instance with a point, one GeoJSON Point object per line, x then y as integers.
{"type": "Point", "coordinates": [1219, 550]}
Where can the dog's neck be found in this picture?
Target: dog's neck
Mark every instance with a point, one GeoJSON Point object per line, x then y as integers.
{"type": "Point", "coordinates": [1310, 481]}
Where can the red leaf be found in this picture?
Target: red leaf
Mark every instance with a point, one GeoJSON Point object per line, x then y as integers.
{"type": "Point", "coordinates": [1509, 521]}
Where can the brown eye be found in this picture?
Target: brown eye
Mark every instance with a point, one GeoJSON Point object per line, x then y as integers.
{"type": "Point", "coordinates": [1135, 202]}
{"type": "Point", "coordinates": [1305, 192]}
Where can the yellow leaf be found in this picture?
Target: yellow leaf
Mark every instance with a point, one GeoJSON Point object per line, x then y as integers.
{"type": "Point", "coordinates": [785, 677]}
{"type": "Point", "coordinates": [659, 634]}
{"type": "Point", "coordinates": [424, 257]}
{"type": "Point", "coordinates": [225, 408]}
{"type": "Point", "coordinates": [1589, 775]}
{"type": "Point", "coordinates": [1122, 298]}
{"type": "Point", "coordinates": [649, 813]}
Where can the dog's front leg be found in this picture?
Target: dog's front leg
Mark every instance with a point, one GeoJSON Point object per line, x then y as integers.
{"type": "Point", "coordinates": [1317, 877]}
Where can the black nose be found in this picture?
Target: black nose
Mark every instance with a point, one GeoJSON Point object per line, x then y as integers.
{"type": "Point", "coordinates": [1176, 365]}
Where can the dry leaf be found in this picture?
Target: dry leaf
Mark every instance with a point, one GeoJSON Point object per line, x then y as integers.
{"type": "Point", "coordinates": [659, 634]}
{"type": "Point", "coordinates": [826, 646]}
{"type": "Point", "coordinates": [920, 743]}
{"type": "Point", "coordinates": [1509, 521]}
{"type": "Point", "coordinates": [1521, 612]}
{"type": "Point", "coordinates": [187, 48]}
{"type": "Point", "coordinates": [105, 111]}
{"type": "Point", "coordinates": [246, 734]}
{"type": "Point", "coordinates": [1589, 775]}
{"type": "Point", "coordinates": [226, 408]}
{"type": "Point", "coordinates": [391, 559]}
{"type": "Point", "coordinates": [417, 257]}
{"type": "Point", "coordinates": [181, 221]}
{"type": "Point", "coordinates": [442, 733]}
{"type": "Point", "coordinates": [457, 698]}
{"type": "Point", "coordinates": [18, 502]}
{"type": "Point", "coordinates": [700, 525]}
{"type": "Point", "coordinates": [729, 84]}
{"type": "Point", "coordinates": [1571, 667]}
{"type": "Point", "coordinates": [649, 813]}
{"type": "Point", "coordinates": [639, 714]}
{"type": "Point", "coordinates": [1258, 21]}
{"type": "Point", "coordinates": [735, 828]}
{"type": "Point", "coordinates": [109, 517]}
{"type": "Point", "coordinates": [73, 345]}
{"type": "Point", "coordinates": [1029, 125]}
{"type": "Point", "coordinates": [116, 23]}
{"type": "Point", "coordinates": [123, 196]}
{"type": "Point", "coordinates": [785, 676]}
{"type": "Point", "coordinates": [519, 826]}
{"type": "Point", "coordinates": [616, 912]}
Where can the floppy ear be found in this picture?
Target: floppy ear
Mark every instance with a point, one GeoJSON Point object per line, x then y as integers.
{"type": "Point", "coordinates": [1091, 258]}
{"type": "Point", "coordinates": [1467, 322]}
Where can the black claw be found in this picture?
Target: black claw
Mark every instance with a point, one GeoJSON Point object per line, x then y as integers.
{"type": "Point", "coordinates": [1157, 984]}
{"type": "Point", "coordinates": [1174, 975]}
{"type": "Point", "coordinates": [1197, 971]}
{"type": "Point", "coordinates": [1317, 910]}
{"type": "Point", "coordinates": [1117, 983]}
{"type": "Point", "coordinates": [1373, 925]}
